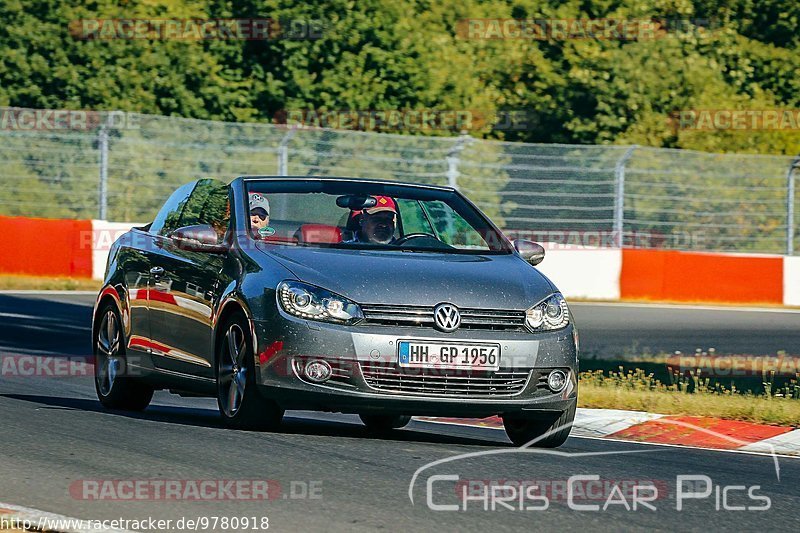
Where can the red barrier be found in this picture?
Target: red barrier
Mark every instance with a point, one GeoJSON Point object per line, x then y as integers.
{"type": "Point", "coordinates": [690, 277]}
{"type": "Point", "coordinates": [45, 247]}
{"type": "Point", "coordinates": [699, 431]}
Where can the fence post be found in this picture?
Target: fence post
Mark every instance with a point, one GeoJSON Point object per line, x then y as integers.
{"type": "Point", "coordinates": [102, 143]}
{"type": "Point", "coordinates": [790, 206]}
{"type": "Point", "coordinates": [619, 195]}
{"type": "Point", "coordinates": [453, 159]}
{"type": "Point", "coordinates": [283, 153]}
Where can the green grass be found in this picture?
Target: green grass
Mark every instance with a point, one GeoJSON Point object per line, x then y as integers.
{"type": "Point", "coordinates": [695, 395]}
{"type": "Point", "coordinates": [47, 283]}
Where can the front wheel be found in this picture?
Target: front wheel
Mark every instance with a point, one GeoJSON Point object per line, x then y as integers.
{"type": "Point", "coordinates": [550, 433]}
{"type": "Point", "coordinates": [114, 389]}
{"type": "Point", "coordinates": [240, 403]}
{"type": "Point", "coordinates": [380, 423]}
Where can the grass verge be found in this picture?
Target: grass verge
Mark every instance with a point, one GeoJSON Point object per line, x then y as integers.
{"type": "Point", "coordinates": [47, 283]}
{"type": "Point", "coordinates": [638, 391]}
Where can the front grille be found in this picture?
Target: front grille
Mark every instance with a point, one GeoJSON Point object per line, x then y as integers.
{"type": "Point", "coordinates": [421, 316]}
{"type": "Point", "coordinates": [445, 382]}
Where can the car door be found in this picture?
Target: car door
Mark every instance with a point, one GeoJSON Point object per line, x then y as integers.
{"type": "Point", "coordinates": [136, 261]}
{"type": "Point", "coordinates": [135, 265]}
{"type": "Point", "coordinates": [186, 285]}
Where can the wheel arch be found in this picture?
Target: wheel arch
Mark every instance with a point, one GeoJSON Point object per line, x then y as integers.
{"type": "Point", "coordinates": [231, 306]}
{"type": "Point", "coordinates": [108, 295]}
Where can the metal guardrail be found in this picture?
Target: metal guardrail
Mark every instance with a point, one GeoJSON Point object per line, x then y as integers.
{"type": "Point", "coordinates": [121, 166]}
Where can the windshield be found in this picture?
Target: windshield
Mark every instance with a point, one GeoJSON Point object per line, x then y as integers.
{"type": "Point", "coordinates": [346, 214]}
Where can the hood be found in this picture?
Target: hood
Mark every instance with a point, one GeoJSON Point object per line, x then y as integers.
{"type": "Point", "coordinates": [405, 278]}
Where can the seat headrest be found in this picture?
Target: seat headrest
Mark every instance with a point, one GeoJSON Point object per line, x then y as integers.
{"type": "Point", "coordinates": [319, 234]}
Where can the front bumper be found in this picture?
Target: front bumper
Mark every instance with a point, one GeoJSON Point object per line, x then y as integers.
{"type": "Point", "coordinates": [367, 378]}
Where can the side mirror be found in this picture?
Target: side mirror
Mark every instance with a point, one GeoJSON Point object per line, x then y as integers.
{"type": "Point", "coordinates": [199, 238]}
{"type": "Point", "coordinates": [530, 251]}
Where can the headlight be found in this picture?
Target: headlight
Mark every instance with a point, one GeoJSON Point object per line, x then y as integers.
{"type": "Point", "coordinates": [313, 303]}
{"type": "Point", "coordinates": [550, 314]}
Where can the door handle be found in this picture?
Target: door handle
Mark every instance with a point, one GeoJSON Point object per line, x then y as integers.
{"type": "Point", "coordinates": [157, 272]}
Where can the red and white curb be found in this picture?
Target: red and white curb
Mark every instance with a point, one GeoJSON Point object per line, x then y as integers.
{"type": "Point", "coordinates": [676, 430]}
{"type": "Point", "coordinates": [16, 517]}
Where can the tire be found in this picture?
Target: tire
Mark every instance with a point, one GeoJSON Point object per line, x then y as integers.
{"type": "Point", "coordinates": [381, 423]}
{"type": "Point", "coordinates": [240, 403]}
{"type": "Point", "coordinates": [114, 389]}
{"type": "Point", "coordinates": [523, 430]}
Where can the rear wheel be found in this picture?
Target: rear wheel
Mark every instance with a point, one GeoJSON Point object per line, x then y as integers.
{"type": "Point", "coordinates": [240, 403]}
{"type": "Point", "coordinates": [378, 423]}
{"type": "Point", "coordinates": [115, 389]}
{"type": "Point", "coordinates": [551, 433]}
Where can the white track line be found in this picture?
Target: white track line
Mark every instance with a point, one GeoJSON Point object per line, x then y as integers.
{"type": "Point", "coordinates": [46, 293]}
{"type": "Point", "coordinates": [701, 307]}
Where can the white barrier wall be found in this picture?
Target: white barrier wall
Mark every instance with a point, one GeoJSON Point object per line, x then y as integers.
{"type": "Point", "coordinates": [591, 273]}
{"type": "Point", "coordinates": [791, 280]}
{"type": "Point", "coordinates": [104, 234]}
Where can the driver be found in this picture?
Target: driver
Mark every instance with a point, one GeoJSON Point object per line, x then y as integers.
{"type": "Point", "coordinates": [259, 216]}
{"type": "Point", "coordinates": [376, 224]}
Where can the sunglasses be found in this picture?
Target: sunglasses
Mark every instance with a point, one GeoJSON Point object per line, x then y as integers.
{"type": "Point", "coordinates": [259, 212]}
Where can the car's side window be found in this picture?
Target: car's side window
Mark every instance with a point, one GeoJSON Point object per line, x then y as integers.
{"type": "Point", "coordinates": [168, 218]}
{"type": "Point", "coordinates": [209, 204]}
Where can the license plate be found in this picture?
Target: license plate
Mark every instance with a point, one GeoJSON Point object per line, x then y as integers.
{"type": "Point", "coordinates": [456, 355]}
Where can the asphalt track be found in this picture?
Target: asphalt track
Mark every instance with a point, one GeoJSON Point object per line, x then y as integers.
{"type": "Point", "coordinates": [54, 435]}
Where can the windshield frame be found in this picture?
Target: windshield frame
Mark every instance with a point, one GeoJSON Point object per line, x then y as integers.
{"type": "Point", "coordinates": [339, 186]}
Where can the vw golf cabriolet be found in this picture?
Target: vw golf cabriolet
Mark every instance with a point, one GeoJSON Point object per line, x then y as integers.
{"type": "Point", "coordinates": [378, 298]}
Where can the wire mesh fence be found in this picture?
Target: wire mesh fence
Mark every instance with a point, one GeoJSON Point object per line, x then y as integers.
{"type": "Point", "coordinates": [122, 166]}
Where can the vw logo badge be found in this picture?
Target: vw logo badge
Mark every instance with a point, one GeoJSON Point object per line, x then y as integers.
{"type": "Point", "coordinates": [447, 317]}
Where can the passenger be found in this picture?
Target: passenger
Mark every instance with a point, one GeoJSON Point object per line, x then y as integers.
{"type": "Point", "coordinates": [259, 216]}
{"type": "Point", "coordinates": [376, 224]}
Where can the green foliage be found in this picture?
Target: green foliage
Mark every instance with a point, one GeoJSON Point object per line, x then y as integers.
{"type": "Point", "coordinates": [408, 54]}
{"type": "Point", "coordinates": [379, 55]}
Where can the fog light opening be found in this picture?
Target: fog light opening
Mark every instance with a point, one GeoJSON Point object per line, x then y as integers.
{"type": "Point", "coordinates": [557, 380]}
{"type": "Point", "coordinates": [317, 371]}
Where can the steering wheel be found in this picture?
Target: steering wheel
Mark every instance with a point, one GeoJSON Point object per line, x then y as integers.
{"type": "Point", "coordinates": [405, 238]}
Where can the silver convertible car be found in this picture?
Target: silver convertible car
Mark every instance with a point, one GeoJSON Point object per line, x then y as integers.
{"type": "Point", "coordinates": [383, 299]}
